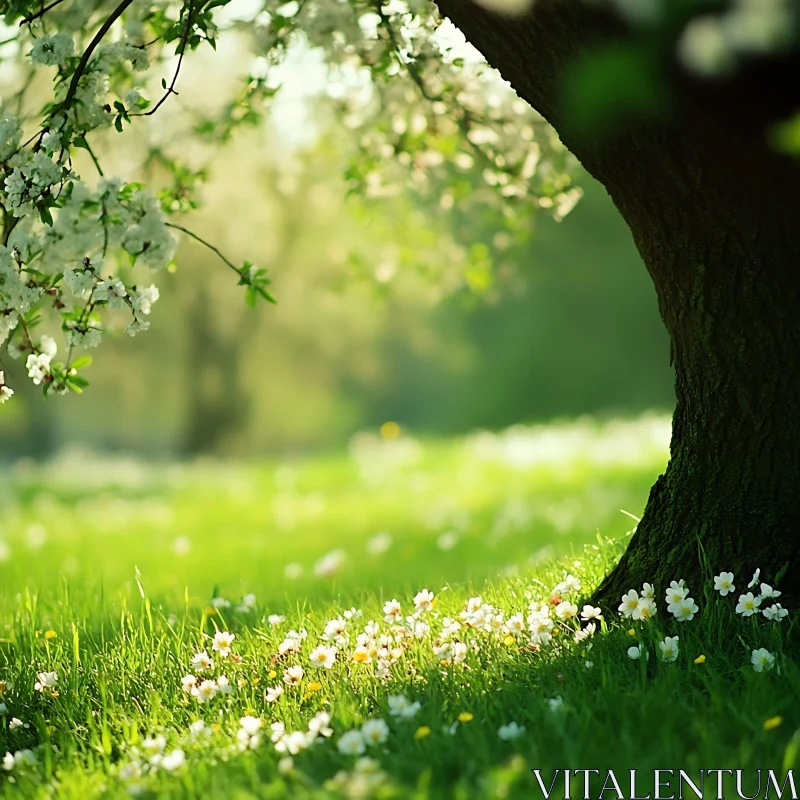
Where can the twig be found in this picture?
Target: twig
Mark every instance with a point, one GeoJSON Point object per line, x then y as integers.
{"type": "Point", "coordinates": [94, 158]}
{"type": "Point", "coordinates": [41, 13]}
{"type": "Point", "coordinates": [210, 246]}
{"type": "Point", "coordinates": [171, 88]}
{"type": "Point", "coordinates": [98, 37]}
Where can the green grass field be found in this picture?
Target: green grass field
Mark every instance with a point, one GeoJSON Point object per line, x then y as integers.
{"type": "Point", "coordinates": [114, 575]}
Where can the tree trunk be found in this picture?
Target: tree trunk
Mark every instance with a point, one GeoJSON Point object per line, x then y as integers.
{"type": "Point", "coordinates": [715, 214]}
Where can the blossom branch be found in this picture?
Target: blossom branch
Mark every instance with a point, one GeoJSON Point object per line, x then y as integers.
{"type": "Point", "coordinates": [181, 51]}
{"type": "Point", "coordinates": [87, 54]}
{"type": "Point", "coordinates": [40, 13]}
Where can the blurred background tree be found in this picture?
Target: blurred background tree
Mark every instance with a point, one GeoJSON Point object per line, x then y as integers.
{"type": "Point", "coordinates": [389, 308]}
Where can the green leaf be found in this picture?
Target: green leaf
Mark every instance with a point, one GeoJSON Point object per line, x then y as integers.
{"type": "Point", "coordinates": [80, 363]}
{"type": "Point", "coordinates": [251, 296]}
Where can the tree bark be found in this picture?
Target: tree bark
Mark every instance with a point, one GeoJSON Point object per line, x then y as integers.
{"type": "Point", "coordinates": [715, 214]}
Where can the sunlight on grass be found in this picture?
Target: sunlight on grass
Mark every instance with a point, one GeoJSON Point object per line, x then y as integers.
{"type": "Point", "coordinates": [332, 642]}
{"type": "Point", "coordinates": [390, 514]}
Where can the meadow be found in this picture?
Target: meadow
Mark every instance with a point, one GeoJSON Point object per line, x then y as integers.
{"type": "Point", "coordinates": [407, 619]}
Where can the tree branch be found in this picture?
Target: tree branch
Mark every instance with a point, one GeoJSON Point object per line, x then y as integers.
{"type": "Point", "coordinates": [171, 88]}
{"type": "Point", "coordinates": [40, 13]}
{"type": "Point", "coordinates": [210, 246]}
{"type": "Point", "coordinates": [98, 37]}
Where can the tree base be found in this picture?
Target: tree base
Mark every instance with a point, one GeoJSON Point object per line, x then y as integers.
{"type": "Point", "coordinates": [685, 534]}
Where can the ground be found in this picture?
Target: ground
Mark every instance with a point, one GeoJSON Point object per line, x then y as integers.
{"type": "Point", "coordinates": [116, 575]}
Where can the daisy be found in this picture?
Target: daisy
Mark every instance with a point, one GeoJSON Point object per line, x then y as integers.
{"type": "Point", "coordinates": [322, 656]}
{"type": "Point", "coordinates": [173, 761]}
{"type": "Point", "coordinates": [223, 641]}
{"type": "Point", "coordinates": [762, 660]}
{"type": "Point", "coordinates": [420, 629]}
{"type": "Point", "coordinates": [290, 645]}
{"type": "Point", "coordinates": [294, 742]}
{"type": "Point", "coordinates": [541, 630]}
{"type": "Point", "coordinates": [293, 675]}
{"type": "Point", "coordinates": [585, 633]}
{"type": "Point", "coordinates": [361, 655]}
{"type": "Point", "coordinates": [392, 611]}
{"type": "Point", "coordinates": [685, 610]}
{"type": "Point", "coordinates": [320, 724]}
{"type": "Point", "coordinates": [278, 731]}
{"type": "Point", "coordinates": [635, 652]}
{"type": "Point", "coordinates": [273, 693]}
{"type": "Point", "coordinates": [669, 648]}
{"type": "Point", "coordinates": [351, 743]}
{"type": "Point", "coordinates": [188, 682]}
{"type": "Point", "coordinates": [590, 612]}
{"type": "Point", "coordinates": [224, 685]}
{"type": "Point", "coordinates": [515, 624]}
{"type": "Point", "coordinates": [775, 612]}
{"type": "Point", "coordinates": [645, 609]}
{"type": "Point", "coordinates": [47, 680]}
{"type": "Point", "coordinates": [569, 584]}
{"type": "Point", "coordinates": [754, 579]}
{"type": "Point", "coordinates": [566, 610]}
{"type": "Point", "coordinates": [748, 604]}
{"type": "Point", "coordinates": [275, 620]}
{"type": "Point", "coordinates": [510, 731]}
{"type": "Point", "coordinates": [555, 704]}
{"type": "Point", "coordinates": [202, 662]}
{"type": "Point", "coordinates": [335, 631]}
{"type": "Point", "coordinates": [206, 691]}
{"type": "Point", "coordinates": [249, 734]}
{"type": "Point", "coordinates": [630, 602]}
{"type": "Point", "coordinates": [768, 591]}
{"type": "Point", "coordinates": [458, 652]}
{"type": "Point", "coordinates": [423, 601]}
{"type": "Point", "coordinates": [401, 706]}
{"type": "Point", "coordinates": [375, 731]}
{"type": "Point", "coordinates": [723, 583]}
{"type": "Point", "coordinates": [677, 591]}
{"type": "Point", "coordinates": [442, 651]}
{"type": "Point", "coordinates": [474, 605]}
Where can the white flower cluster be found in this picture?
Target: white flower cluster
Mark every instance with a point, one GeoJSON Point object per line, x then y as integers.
{"type": "Point", "coordinates": [52, 50]}
{"type": "Point", "coordinates": [53, 263]}
{"type": "Point", "coordinates": [683, 608]}
{"type": "Point", "coordinates": [205, 690]}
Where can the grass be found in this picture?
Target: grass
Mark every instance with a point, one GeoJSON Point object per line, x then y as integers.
{"type": "Point", "coordinates": [114, 574]}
